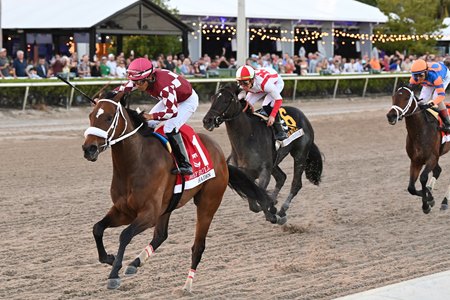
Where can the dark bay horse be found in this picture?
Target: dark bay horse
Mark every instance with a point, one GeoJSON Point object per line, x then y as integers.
{"type": "Point", "coordinates": [252, 144]}
{"type": "Point", "coordinates": [423, 145]}
{"type": "Point", "coordinates": [142, 186]}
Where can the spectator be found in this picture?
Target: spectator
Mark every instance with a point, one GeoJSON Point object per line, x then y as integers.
{"type": "Point", "coordinates": [186, 67]}
{"type": "Point", "coordinates": [395, 66]}
{"type": "Point", "coordinates": [84, 68]}
{"type": "Point", "coordinates": [375, 65]}
{"type": "Point", "coordinates": [19, 65]}
{"type": "Point", "coordinates": [406, 65]}
{"type": "Point", "coordinates": [254, 61]}
{"type": "Point", "coordinates": [233, 63]}
{"type": "Point", "coordinates": [335, 67]}
{"type": "Point", "coordinates": [42, 68]}
{"type": "Point", "coordinates": [57, 65]}
{"type": "Point", "coordinates": [95, 68]}
{"type": "Point", "coordinates": [357, 66]}
{"type": "Point", "coordinates": [121, 69]}
{"type": "Point", "coordinates": [112, 64]}
{"type": "Point", "coordinates": [73, 64]}
{"type": "Point", "coordinates": [312, 63]}
{"type": "Point", "coordinates": [104, 68]}
{"type": "Point", "coordinates": [4, 64]}
{"type": "Point", "coordinates": [169, 63]}
{"type": "Point", "coordinates": [223, 62]}
{"type": "Point", "coordinates": [348, 66]}
{"type": "Point", "coordinates": [197, 71]}
{"type": "Point", "coordinates": [32, 73]}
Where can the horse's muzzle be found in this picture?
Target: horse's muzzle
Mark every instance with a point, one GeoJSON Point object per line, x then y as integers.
{"type": "Point", "coordinates": [91, 152]}
{"type": "Point", "coordinates": [208, 123]}
{"type": "Point", "coordinates": [392, 117]}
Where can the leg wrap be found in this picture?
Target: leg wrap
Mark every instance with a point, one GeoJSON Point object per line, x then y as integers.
{"type": "Point", "coordinates": [145, 254]}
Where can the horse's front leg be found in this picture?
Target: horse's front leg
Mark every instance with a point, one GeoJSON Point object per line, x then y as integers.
{"type": "Point", "coordinates": [159, 236]}
{"type": "Point", "coordinates": [427, 197]}
{"type": "Point", "coordinates": [263, 182]}
{"type": "Point", "coordinates": [139, 224]}
{"type": "Point", "coordinates": [113, 218]}
{"type": "Point", "coordinates": [414, 171]}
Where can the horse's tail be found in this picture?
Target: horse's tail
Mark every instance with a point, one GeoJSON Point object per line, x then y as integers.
{"type": "Point", "coordinates": [242, 184]}
{"type": "Point", "coordinates": [314, 165]}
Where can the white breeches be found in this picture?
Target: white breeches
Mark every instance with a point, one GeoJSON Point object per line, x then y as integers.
{"type": "Point", "coordinates": [252, 98]}
{"type": "Point", "coordinates": [185, 110]}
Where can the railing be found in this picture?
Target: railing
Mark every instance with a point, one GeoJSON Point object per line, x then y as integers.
{"type": "Point", "coordinates": [218, 81]}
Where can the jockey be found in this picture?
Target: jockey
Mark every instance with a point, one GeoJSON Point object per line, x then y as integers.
{"type": "Point", "coordinates": [177, 103]}
{"type": "Point", "coordinates": [434, 78]}
{"type": "Point", "coordinates": [264, 83]}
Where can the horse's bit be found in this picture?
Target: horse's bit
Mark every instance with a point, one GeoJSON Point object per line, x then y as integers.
{"type": "Point", "coordinates": [109, 134]}
{"type": "Point", "coordinates": [401, 112]}
{"type": "Point", "coordinates": [221, 116]}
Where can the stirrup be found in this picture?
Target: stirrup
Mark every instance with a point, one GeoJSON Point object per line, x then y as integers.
{"type": "Point", "coordinates": [280, 136]}
{"type": "Point", "coordinates": [445, 128]}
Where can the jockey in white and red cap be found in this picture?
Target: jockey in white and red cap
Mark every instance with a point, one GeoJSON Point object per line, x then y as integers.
{"type": "Point", "coordinates": [266, 84]}
{"type": "Point", "coordinates": [177, 103]}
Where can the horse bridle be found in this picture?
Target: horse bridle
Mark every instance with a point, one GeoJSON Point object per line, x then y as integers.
{"type": "Point", "coordinates": [109, 134]}
{"type": "Point", "coordinates": [403, 112]}
{"type": "Point", "coordinates": [220, 118]}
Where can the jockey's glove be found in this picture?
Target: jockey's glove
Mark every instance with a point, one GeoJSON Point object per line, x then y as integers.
{"type": "Point", "coordinates": [424, 106]}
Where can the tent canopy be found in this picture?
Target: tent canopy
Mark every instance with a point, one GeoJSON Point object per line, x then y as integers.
{"type": "Point", "coordinates": [318, 10]}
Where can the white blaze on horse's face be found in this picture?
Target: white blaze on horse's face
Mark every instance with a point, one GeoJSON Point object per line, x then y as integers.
{"type": "Point", "coordinates": [99, 112]}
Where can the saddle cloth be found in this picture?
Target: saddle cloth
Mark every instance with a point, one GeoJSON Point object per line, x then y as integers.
{"type": "Point", "coordinates": [202, 165]}
{"type": "Point", "coordinates": [289, 125]}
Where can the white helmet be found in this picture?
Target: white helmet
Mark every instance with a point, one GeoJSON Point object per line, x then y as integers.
{"type": "Point", "coordinates": [245, 73]}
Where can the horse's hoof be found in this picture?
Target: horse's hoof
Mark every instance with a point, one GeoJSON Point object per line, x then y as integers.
{"type": "Point", "coordinates": [130, 271]}
{"type": "Point", "coordinates": [113, 283]}
{"type": "Point", "coordinates": [282, 220]}
{"type": "Point", "coordinates": [426, 210]}
{"type": "Point", "coordinates": [431, 202]}
{"type": "Point", "coordinates": [444, 206]}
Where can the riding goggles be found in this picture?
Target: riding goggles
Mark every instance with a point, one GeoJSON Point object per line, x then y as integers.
{"type": "Point", "coordinates": [139, 82]}
{"type": "Point", "coordinates": [244, 82]}
{"type": "Point", "coordinates": [419, 75]}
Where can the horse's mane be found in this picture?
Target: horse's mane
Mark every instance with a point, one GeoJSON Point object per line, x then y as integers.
{"type": "Point", "coordinates": [231, 87]}
{"type": "Point", "coordinates": [138, 119]}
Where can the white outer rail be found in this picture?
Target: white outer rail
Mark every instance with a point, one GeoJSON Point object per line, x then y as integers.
{"type": "Point", "coordinates": [218, 81]}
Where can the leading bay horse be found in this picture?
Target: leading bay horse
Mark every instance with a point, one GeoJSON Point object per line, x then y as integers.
{"type": "Point", "coordinates": [142, 186]}
{"type": "Point", "coordinates": [423, 145]}
{"type": "Point", "coordinates": [252, 144]}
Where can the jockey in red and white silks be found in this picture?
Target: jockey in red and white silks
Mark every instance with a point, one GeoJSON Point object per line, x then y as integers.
{"type": "Point", "coordinates": [266, 84]}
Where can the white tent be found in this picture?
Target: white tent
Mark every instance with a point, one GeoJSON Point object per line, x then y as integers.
{"type": "Point", "coordinates": [318, 10]}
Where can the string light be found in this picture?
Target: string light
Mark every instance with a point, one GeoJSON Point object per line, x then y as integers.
{"type": "Point", "coordinates": [307, 36]}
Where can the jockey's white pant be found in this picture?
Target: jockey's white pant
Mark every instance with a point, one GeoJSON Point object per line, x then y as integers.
{"type": "Point", "coordinates": [252, 98]}
{"type": "Point", "coordinates": [185, 110]}
{"type": "Point", "coordinates": [429, 93]}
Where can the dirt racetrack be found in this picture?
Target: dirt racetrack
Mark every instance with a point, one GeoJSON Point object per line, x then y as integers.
{"type": "Point", "coordinates": [359, 229]}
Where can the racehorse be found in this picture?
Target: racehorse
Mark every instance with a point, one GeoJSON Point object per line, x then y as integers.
{"type": "Point", "coordinates": [253, 149]}
{"type": "Point", "coordinates": [142, 186]}
{"type": "Point", "coordinates": [423, 144]}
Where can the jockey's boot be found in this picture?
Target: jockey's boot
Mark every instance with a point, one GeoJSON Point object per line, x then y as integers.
{"type": "Point", "coordinates": [280, 134]}
{"type": "Point", "coordinates": [179, 150]}
{"type": "Point", "coordinates": [445, 119]}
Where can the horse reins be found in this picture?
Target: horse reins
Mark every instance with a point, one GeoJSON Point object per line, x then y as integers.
{"type": "Point", "coordinates": [221, 116]}
{"type": "Point", "coordinates": [109, 134]}
{"type": "Point", "coordinates": [401, 112]}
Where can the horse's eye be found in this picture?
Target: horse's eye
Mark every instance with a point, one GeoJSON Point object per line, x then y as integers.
{"type": "Point", "coordinates": [109, 119]}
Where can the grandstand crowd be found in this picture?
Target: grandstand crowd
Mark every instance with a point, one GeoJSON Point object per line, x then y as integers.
{"type": "Point", "coordinates": [113, 66]}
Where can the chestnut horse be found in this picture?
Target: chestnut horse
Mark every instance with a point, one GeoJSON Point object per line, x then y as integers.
{"type": "Point", "coordinates": [423, 145]}
{"type": "Point", "coordinates": [142, 186]}
{"type": "Point", "coordinates": [252, 145]}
